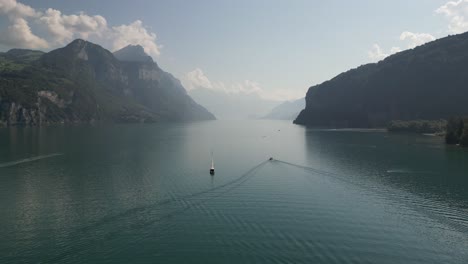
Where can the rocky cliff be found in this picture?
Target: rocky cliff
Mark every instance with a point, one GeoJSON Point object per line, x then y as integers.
{"type": "Point", "coordinates": [84, 82]}
{"type": "Point", "coordinates": [428, 82]}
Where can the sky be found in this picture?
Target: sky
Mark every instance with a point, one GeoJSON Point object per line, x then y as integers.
{"type": "Point", "coordinates": [274, 48]}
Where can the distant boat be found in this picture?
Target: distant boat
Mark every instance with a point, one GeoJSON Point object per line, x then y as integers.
{"type": "Point", "coordinates": [212, 165]}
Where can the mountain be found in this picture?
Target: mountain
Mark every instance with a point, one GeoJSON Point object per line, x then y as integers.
{"type": "Point", "coordinates": [428, 82]}
{"type": "Point", "coordinates": [232, 106]}
{"type": "Point", "coordinates": [84, 82]}
{"type": "Point", "coordinates": [132, 53]}
{"type": "Point", "coordinates": [288, 110]}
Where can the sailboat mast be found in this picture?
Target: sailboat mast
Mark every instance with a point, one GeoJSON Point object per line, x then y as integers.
{"type": "Point", "coordinates": [212, 161]}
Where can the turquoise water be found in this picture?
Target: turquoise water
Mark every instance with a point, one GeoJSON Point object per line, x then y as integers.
{"type": "Point", "coordinates": [143, 194]}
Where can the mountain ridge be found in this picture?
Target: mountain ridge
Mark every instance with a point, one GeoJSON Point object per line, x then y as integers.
{"type": "Point", "coordinates": [132, 53]}
{"type": "Point", "coordinates": [427, 82]}
{"type": "Point", "coordinates": [83, 82]}
{"type": "Point", "coordinates": [236, 106]}
{"type": "Point", "coordinates": [287, 110]}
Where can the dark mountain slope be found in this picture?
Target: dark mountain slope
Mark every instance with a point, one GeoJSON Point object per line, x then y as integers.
{"type": "Point", "coordinates": [428, 82]}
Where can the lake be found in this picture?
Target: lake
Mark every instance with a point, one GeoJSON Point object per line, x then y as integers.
{"type": "Point", "coordinates": [143, 194]}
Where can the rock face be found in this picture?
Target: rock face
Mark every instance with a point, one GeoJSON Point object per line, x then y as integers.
{"type": "Point", "coordinates": [84, 82]}
{"type": "Point", "coordinates": [428, 82]}
{"type": "Point", "coordinates": [133, 53]}
{"type": "Point", "coordinates": [156, 89]}
{"type": "Point", "coordinates": [13, 114]}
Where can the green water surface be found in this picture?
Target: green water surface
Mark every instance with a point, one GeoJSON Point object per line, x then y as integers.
{"type": "Point", "coordinates": [143, 194]}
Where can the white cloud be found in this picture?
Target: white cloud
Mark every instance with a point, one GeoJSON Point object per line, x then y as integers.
{"type": "Point", "coordinates": [416, 39]}
{"type": "Point", "coordinates": [197, 79]}
{"type": "Point", "coordinates": [64, 28]}
{"type": "Point", "coordinates": [135, 33]}
{"type": "Point", "coordinates": [19, 34]}
{"type": "Point", "coordinates": [61, 28]}
{"type": "Point", "coordinates": [457, 13]}
{"type": "Point", "coordinates": [377, 53]}
{"type": "Point", "coordinates": [16, 10]}
{"type": "Point", "coordinates": [394, 50]}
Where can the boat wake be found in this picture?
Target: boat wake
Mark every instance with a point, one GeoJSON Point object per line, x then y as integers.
{"type": "Point", "coordinates": [190, 201]}
{"type": "Point", "coordinates": [455, 218]}
{"type": "Point", "coordinates": [405, 171]}
{"type": "Point", "coordinates": [21, 161]}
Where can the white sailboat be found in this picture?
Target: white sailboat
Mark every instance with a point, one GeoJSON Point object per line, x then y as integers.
{"type": "Point", "coordinates": [212, 172]}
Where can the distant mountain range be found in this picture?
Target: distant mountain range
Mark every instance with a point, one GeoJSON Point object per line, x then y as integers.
{"type": "Point", "coordinates": [232, 106]}
{"type": "Point", "coordinates": [84, 82]}
{"type": "Point", "coordinates": [288, 110]}
{"type": "Point", "coordinates": [427, 82]}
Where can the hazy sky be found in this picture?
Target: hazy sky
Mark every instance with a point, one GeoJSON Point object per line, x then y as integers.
{"type": "Point", "coordinates": [274, 48]}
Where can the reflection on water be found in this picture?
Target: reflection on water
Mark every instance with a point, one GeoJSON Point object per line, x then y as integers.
{"type": "Point", "coordinates": [432, 184]}
{"type": "Point", "coordinates": [142, 193]}
{"type": "Point", "coordinates": [422, 165]}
